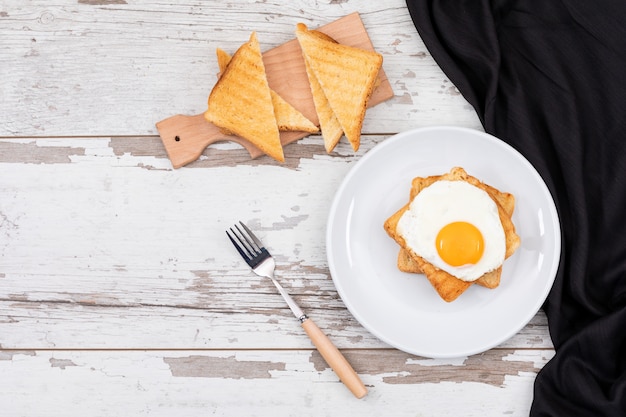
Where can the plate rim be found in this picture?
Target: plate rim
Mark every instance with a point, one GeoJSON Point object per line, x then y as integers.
{"type": "Point", "coordinates": [552, 215]}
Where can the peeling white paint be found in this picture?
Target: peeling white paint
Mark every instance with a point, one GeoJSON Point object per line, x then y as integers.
{"type": "Point", "coordinates": [142, 383]}
{"type": "Point", "coordinates": [437, 362]}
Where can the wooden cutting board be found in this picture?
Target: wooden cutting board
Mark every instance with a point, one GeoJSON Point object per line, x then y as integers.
{"type": "Point", "coordinates": [186, 137]}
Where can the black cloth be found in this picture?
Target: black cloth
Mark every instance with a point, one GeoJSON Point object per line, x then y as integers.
{"type": "Point", "coordinates": [549, 78]}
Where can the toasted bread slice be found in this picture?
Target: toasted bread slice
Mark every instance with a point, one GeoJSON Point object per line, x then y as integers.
{"type": "Point", "coordinates": [241, 102]}
{"type": "Point", "coordinates": [407, 264]}
{"type": "Point", "coordinates": [447, 286]}
{"type": "Point", "coordinates": [329, 125]}
{"type": "Point", "coordinates": [507, 202]}
{"type": "Point", "coordinates": [223, 59]}
{"type": "Point", "coordinates": [347, 76]}
{"type": "Point", "coordinates": [288, 117]}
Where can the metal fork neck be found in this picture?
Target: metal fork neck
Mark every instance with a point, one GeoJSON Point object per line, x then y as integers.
{"type": "Point", "coordinates": [297, 311]}
{"type": "Point", "coordinates": [265, 268]}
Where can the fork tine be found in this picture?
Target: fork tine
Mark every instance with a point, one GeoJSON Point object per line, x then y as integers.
{"type": "Point", "coordinates": [252, 235]}
{"type": "Point", "coordinates": [242, 251]}
{"type": "Point", "coordinates": [254, 250]}
{"type": "Point", "coordinates": [244, 242]}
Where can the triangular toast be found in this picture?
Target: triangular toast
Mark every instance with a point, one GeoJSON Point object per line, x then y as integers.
{"type": "Point", "coordinates": [288, 117]}
{"type": "Point", "coordinates": [241, 102]}
{"type": "Point", "coordinates": [329, 125]}
{"type": "Point", "coordinates": [223, 59]}
{"type": "Point", "coordinates": [346, 75]}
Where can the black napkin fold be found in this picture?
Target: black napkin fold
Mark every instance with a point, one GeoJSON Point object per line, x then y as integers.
{"type": "Point", "coordinates": [549, 78]}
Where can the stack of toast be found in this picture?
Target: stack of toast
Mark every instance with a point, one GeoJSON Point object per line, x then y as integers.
{"type": "Point", "coordinates": [448, 286]}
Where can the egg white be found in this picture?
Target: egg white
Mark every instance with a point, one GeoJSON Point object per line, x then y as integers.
{"type": "Point", "coordinates": [444, 202]}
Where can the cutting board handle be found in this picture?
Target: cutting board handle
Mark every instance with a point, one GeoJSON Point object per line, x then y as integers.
{"type": "Point", "coordinates": [186, 137]}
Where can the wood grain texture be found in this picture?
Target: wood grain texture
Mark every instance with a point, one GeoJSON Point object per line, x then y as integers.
{"type": "Point", "coordinates": [119, 293]}
{"type": "Point", "coordinates": [116, 69]}
{"type": "Point", "coordinates": [263, 383]}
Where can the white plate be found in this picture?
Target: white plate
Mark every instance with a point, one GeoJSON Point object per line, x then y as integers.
{"type": "Point", "coordinates": [403, 309]}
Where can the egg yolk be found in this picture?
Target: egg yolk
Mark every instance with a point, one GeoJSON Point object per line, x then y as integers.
{"type": "Point", "coordinates": [460, 243]}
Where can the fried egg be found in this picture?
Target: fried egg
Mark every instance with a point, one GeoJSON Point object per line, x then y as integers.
{"type": "Point", "coordinates": [455, 226]}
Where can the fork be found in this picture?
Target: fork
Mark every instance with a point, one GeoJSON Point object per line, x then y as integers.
{"type": "Point", "coordinates": [262, 263]}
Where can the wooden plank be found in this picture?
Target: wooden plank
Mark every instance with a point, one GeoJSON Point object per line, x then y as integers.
{"type": "Point", "coordinates": [86, 322]}
{"type": "Point", "coordinates": [105, 246]}
{"type": "Point", "coordinates": [116, 69]}
{"type": "Point", "coordinates": [263, 383]}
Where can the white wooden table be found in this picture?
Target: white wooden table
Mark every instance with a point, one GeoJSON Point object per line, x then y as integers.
{"type": "Point", "coordinates": [119, 293]}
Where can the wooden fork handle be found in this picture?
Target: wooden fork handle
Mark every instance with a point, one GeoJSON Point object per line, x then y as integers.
{"type": "Point", "coordinates": [335, 359]}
